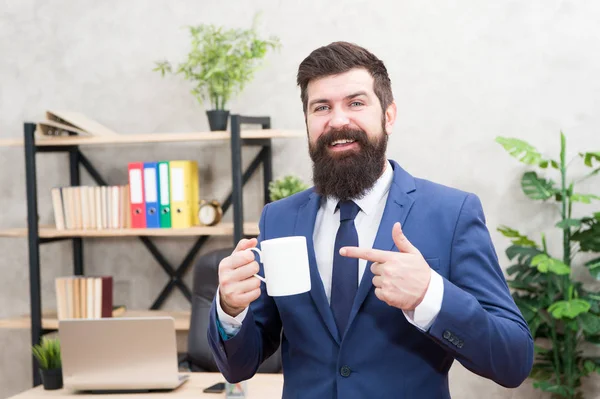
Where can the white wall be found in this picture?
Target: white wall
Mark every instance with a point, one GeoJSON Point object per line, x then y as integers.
{"type": "Point", "coordinates": [462, 73]}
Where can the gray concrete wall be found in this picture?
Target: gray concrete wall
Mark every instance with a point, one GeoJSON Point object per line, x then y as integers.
{"type": "Point", "coordinates": [462, 72]}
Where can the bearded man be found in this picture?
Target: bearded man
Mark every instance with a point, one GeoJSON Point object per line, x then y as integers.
{"type": "Point", "coordinates": [405, 278]}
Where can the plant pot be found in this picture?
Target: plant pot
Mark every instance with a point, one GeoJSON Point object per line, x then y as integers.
{"type": "Point", "coordinates": [217, 119]}
{"type": "Point", "coordinates": [52, 379]}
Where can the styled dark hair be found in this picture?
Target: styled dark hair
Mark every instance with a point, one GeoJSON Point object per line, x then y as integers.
{"type": "Point", "coordinates": [340, 57]}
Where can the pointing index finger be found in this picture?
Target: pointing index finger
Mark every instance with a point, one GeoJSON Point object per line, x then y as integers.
{"type": "Point", "coordinates": [373, 255]}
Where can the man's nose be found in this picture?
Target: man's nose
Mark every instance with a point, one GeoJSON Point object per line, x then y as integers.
{"type": "Point", "coordinates": [338, 119]}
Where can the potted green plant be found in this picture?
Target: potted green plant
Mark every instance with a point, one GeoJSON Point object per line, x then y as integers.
{"type": "Point", "coordinates": [47, 354]}
{"type": "Point", "coordinates": [562, 314]}
{"type": "Point", "coordinates": [285, 187]}
{"type": "Point", "coordinates": [220, 64]}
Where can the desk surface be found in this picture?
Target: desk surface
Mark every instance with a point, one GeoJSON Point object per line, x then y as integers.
{"type": "Point", "coordinates": [261, 386]}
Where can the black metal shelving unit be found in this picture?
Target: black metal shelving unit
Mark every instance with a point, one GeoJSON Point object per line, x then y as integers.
{"type": "Point", "coordinates": [78, 160]}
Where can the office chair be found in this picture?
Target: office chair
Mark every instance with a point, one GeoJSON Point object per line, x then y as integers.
{"type": "Point", "coordinates": [205, 283]}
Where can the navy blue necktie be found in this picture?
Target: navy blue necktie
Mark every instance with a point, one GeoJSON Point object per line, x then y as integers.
{"type": "Point", "coordinates": [344, 281]}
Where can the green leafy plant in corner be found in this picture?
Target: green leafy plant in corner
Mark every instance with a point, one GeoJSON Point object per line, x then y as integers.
{"type": "Point", "coordinates": [561, 314]}
{"type": "Point", "coordinates": [221, 61]}
{"type": "Point", "coordinates": [47, 354]}
{"type": "Point", "coordinates": [285, 187]}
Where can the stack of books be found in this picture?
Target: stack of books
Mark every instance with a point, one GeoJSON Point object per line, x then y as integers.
{"type": "Point", "coordinates": [87, 207]}
{"type": "Point", "coordinates": [161, 194]}
{"type": "Point", "coordinates": [79, 297]}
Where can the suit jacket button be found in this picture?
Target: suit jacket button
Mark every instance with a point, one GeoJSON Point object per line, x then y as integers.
{"type": "Point", "coordinates": [345, 371]}
{"type": "Point", "coordinates": [460, 344]}
{"type": "Point", "coordinates": [447, 334]}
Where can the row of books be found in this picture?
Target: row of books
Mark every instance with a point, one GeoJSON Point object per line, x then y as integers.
{"type": "Point", "coordinates": [79, 297]}
{"type": "Point", "coordinates": [164, 194]}
{"type": "Point", "coordinates": [159, 195]}
{"type": "Point", "coordinates": [91, 207]}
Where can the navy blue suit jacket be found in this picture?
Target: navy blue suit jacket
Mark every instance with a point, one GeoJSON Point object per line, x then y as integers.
{"type": "Point", "coordinates": [381, 354]}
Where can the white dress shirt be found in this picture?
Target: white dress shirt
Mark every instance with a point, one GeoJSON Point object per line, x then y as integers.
{"type": "Point", "coordinates": [367, 224]}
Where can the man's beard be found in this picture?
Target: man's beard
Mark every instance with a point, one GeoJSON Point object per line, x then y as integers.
{"type": "Point", "coordinates": [347, 174]}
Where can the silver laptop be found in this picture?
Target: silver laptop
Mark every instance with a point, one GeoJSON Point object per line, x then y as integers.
{"type": "Point", "coordinates": [119, 354]}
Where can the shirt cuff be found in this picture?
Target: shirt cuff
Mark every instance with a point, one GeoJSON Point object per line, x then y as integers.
{"type": "Point", "coordinates": [425, 313]}
{"type": "Point", "coordinates": [230, 325]}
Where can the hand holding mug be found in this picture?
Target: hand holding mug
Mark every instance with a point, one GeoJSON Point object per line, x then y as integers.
{"type": "Point", "coordinates": [237, 285]}
{"type": "Point", "coordinates": [286, 268]}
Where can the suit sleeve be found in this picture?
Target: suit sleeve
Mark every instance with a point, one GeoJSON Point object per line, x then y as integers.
{"type": "Point", "coordinates": [479, 322]}
{"type": "Point", "coordinates": [239, 357]}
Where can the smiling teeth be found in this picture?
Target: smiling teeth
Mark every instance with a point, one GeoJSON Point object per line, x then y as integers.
{"type": "Point", "coordinates": [342, 141]}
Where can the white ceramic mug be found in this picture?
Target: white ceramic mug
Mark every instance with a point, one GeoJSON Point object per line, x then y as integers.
{"type": "Point", "coordinates": [286, 266]}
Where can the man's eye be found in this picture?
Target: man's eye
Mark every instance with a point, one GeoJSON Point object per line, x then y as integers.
{"type": "Point", "coordinates": [321, 108]}
{"type": "Point", "coordinates": [356, 103]}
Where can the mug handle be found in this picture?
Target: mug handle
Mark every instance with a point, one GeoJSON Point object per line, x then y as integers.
{"type": "Point", "coordinates": [260, 260]}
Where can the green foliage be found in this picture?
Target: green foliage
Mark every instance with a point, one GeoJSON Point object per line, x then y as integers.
{"type": "Point", "coordinates": [221, 61]}
{"type": "Point", "coordinates": [47, 354]}
{"type": "Point", "coordinates": [556, 307]}
{"type": "Point", "coordinates": [517, 238]}
{"type": "Point", "coordinates": [285, 187]}
{"type": "Point", "coordinates": [537, 188]}
{"type": "Point", "coordinates": [546, 264]}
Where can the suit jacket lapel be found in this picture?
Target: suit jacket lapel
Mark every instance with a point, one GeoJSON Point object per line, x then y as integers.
{"type": "Point", "coordinates": [305, 224]}
{"type": "Point", "coordinates": [397, 207]}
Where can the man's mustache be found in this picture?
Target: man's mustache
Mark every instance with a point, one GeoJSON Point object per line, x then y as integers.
{"type": "Point", "coordinates": [341, 134]}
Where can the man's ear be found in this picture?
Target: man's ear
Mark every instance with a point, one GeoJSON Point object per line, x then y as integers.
{"type": "Point", "coordinates": [390, 117]}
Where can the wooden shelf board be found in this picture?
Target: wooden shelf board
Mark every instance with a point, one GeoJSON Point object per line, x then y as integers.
{"type": "Point", "coordinates": [50, 321]}
{"type": "Point", "coordinates": [138, 138]}
{"type": "Point", "coordinates": [222, 229]}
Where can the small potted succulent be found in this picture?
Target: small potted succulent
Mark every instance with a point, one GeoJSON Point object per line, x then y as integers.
{"type": "Point", "coordinates": [285, 187]}
{"type": "Point", "coordinates": [47, 354]}
{"type": "Point", "coordinates": [219, 64]}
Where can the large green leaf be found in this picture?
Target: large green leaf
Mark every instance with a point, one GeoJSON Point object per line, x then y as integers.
{"type": "Point", "coordinates": [569, 309]}
{"type": "Point", "coordinates": [528, 310]}
{"type": "Point", "coordinates": [537, 188]}
{"type": "Point", "coordinates": [542, 371]}
{"type": "Point", "coordinates": [589, 239]}
{"type": "Point", "coordinates": [527, 274]}
{"type": "Point", "coordinates": [550, 386]}
{"type": "Point", "coordinates": [593, 299]}
{"type": "Point", "coordinates": [588, 157]}
{"type": "Point", "coordinates": [590, 323]}
{"type": "Point", "coordinates": [521, 150]}
{"type": "Point", "coordinates": [568, 223]}
{"type": "Point", "coordinates": [522, 254]}
{"type": "Point", "coordinates": [520, 285]}
{"type": "Point", "coordinates": [584, 198]}
{"type": "Point", "coordinates": [530, 306]}
{"type": "Point", "coordinates": [516, 237]}
{"type": "Point", "coordinates": [589, 366]}
{"type": "Point", "coordinates": [516, 268]}
{"type": "Point", "coordinates": [546, 264]}
{"type": "Point", "coordinates": [594, 268]}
